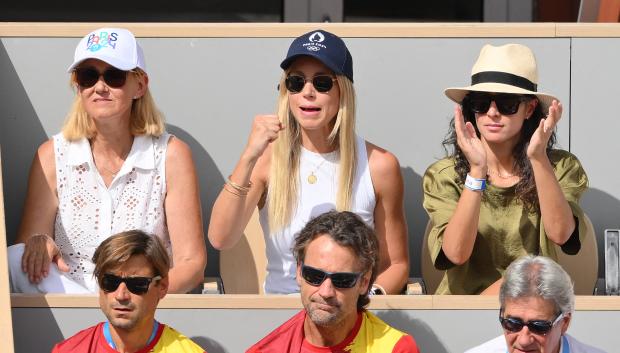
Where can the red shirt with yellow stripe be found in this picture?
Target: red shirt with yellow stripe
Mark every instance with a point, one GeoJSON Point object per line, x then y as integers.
{"type": "Point", "coordinates": [369, 335]}
{"type": "Point", "coordinates": [92, 340]}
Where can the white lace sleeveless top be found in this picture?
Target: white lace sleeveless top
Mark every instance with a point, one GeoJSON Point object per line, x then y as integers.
{"type": "Point", "coordinates": [314, 199]}
{"type": "Point", "coordinates": [89, 212]}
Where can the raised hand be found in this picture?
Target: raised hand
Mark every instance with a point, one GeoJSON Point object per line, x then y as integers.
{"type": "Point", "coordinates": [469, 143]}
{"type": "Point", "coordinates": [40, 251]}
{"type": "Point", "coordinates": [265, 129]}
{"type": "Point", "coordinates": [538, 143]}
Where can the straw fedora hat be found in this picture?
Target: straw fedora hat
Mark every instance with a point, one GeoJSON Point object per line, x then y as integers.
{"type": "Point", "coordinates": [509, 68]}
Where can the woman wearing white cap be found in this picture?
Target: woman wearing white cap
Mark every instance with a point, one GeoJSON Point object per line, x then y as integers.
{"type": "Point", "coordinates": [307, 160]}
{"type": "Point", "coordinates": [504, 191]}
{"type": "Point", "coordinates": [113, 168]}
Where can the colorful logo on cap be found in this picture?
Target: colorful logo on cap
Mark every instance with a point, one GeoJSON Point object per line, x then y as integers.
{"type": "Point", "coordinates": [315, 41]}
{"type": "Point", "coordinates": [102, 40]}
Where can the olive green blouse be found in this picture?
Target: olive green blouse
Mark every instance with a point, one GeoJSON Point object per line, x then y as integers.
{"type": "Point", "coordinates": [506, 229]}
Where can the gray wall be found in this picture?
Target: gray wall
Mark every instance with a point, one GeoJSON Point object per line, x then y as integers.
{"type": "Point", "coordinates": [234, 330]}
{"type": "Point", "coordinates": [210, 89]}
{"type": "Point", "coordinates": [595, 126]}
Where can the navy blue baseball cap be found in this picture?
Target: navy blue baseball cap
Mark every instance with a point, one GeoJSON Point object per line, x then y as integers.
{"type": "Point", "coordinates": [326, 47]}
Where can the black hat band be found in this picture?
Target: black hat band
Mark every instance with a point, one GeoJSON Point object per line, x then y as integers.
{"type": "Point", "coordinates": [503, 77]}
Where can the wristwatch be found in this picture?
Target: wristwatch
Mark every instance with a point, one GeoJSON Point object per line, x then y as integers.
{"type": "Point", "coordinates": [376, 290]}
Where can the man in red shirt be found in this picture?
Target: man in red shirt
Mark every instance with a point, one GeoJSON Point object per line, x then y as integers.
{"type": "Point", "coordinates": [132, 272]}
{"type": "Point", "coordinates": [337, 259]}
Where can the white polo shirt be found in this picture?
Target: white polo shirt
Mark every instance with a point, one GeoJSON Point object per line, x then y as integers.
{"type": "Point", "coordinates": [568, 345]}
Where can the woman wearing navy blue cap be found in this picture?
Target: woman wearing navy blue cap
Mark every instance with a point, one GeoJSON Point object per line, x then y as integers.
{"type": "Point", "coordinates": [307, 160]}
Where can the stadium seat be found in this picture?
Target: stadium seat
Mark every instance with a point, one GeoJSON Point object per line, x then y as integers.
{"type": "Point", "coordinates": [243, 267]}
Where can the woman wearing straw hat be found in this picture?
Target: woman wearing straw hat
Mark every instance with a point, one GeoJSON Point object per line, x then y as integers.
{"type": "Point", "coordinates": [504, 191]}
{"type": "Point", "coordinates": [112, 168]}
{"type": "Point", "coordinates": [307, 160]}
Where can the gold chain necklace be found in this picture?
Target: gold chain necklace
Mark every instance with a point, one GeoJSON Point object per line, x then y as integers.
{"type": "Point", "coordinates": [502, 176]}
{"type": "Point", "coordinates": [312, 179]}
{"type": "Point", "coordinates": [111, 172]}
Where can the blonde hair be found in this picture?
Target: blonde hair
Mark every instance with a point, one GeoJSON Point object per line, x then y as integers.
{"type": "Point", "coordinates": [146, 119]}
{"type": "Point", "coordinates": [282, 198]}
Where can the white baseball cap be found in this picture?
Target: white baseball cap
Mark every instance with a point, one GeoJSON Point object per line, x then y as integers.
{"type": "Point", "coordinates": [115, 46]}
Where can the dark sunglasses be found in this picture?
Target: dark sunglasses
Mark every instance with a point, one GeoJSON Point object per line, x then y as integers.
{"type": "Point", "coordinates": [539, 327]}
{"type": "Point", "coordinates": [322, 83]}
{"type": "Point", "coordinates": [136, 285]}
{"type": "Point", "coordinates": [87, 77]}
{"type": "Point", "coordinates": [315, 277]}
{"type": "Point", "coordinates": [507, 104]}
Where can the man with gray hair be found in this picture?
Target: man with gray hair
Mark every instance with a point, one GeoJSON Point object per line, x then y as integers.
{"type": "Point", "coordinates": [537, 302]}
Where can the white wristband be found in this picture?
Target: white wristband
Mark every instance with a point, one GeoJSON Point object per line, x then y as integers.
{"type": "Point", "coordinates": [475, 184]}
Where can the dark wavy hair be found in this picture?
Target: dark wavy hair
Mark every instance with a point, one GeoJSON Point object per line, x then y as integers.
{"type": "Point", "coordinates": [348, 230]}
{"type": "Point", "coordinates": [525, 189]}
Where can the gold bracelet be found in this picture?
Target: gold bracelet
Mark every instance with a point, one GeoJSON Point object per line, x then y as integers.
{"type": "Point", "coordinates": [237, 186]}
{"type": "Point", "coordinates": [237, 193]}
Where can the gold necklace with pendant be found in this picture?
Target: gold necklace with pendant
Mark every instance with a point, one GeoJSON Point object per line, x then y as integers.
{"type": "Point", "coordinates": [312, 179]}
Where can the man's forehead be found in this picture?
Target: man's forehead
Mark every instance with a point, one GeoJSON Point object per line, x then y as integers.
{"type": "Point", "coordinates": [529, 306]}
{"type": "Point", "coordinates": [325, 243]}
{"type": "Point", "coordinates": [135, 265]}
{"type": "Point", "coordinates": [325, 253]}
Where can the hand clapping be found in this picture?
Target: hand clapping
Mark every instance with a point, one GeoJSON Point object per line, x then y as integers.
{"type": "Point", "coordinates": [538, 143]}
{"type": "Point", "coordinates": [470, 144]}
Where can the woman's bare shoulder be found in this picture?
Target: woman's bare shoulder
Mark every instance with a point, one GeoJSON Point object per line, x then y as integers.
{"type": "Point", "coordinates": [46, 157]}
{"type": "Point", "coordinates": [382, 162]}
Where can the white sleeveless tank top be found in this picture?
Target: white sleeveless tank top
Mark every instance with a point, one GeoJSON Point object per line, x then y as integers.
{"type": "Point", "coordinates": [89, 212]}
{"type": "Point", "coordinates": [314, 199]}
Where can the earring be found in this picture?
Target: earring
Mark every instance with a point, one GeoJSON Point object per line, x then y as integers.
{"type": "Point", "coordinates": [135, 97]}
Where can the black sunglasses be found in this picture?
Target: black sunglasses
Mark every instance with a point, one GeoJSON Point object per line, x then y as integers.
{"type": "Point", "coordinates": [136, 285]}
{"type": "Point", "coordinates": [322, 83]}
{"type": "Point", "coordinates": [315, 277]}
{"type": "Point", "coordinates": [507, 104]}
{"type": "Point", "coordinates": [87, 77]}
{"type": "Point", "coordinates": [539, 327]}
